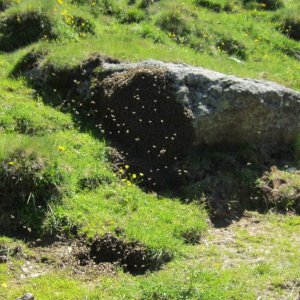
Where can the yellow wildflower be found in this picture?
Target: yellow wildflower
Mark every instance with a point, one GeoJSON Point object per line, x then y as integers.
{"type": "Point", "coordinates": [126, 167]}
{"type": "Point", "coordinates": [61, 148]}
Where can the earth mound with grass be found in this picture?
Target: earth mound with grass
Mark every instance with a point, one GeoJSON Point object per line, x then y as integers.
{"type": "Point", "coordinates": [21, 29]}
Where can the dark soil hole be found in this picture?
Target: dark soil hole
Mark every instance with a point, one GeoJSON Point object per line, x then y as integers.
{"type": "Point", "coordinates": [132, 256]}
{"type": "Point", "coordinates": [22, 29]}
{"type": "Point", "coordinates": [291, 28]}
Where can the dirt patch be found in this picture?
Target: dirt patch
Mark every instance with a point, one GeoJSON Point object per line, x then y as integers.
{"type": "Point", "coordinates": [90, 257]}
{"type": "Point", "coordinates": [74, 257]}
{"type": "Point", "coordinates": [280, 190]}
{"type": "Point", "coordinates": [227, 240]}
{"type": "Point", "coordinates": [132, 256]}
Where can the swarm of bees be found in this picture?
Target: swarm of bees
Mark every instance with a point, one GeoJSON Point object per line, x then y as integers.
{"type": "Point", "coordinates": [135, 108]}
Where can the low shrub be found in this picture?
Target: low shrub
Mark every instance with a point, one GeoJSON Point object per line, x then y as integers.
{"type": "Point", "coordinates": [27, 184]}
{"type": "Point", "coordinates": [93, 181]}
{"type": "Point", "coordinates": [279, 190]}
{"type": "Point", "coordinates": [151, 32]}
{"type": "Point", "coordinates": [146, 3]}
{"type": "Point", "coordinates": [291, 27]}
{"type": "Point", "coordinates": [191, 236]}
{"type": "Point", "coordinates": [216, 7]}
{"type": "Point", "coordinates": [28, 177]}
{"type": "Point", "coordinates": [109, 7]}
{"type": "Point", "coordinates": [263, 4]}
{"type": "Point", "coordinates": [22, 29]}
{"type": "Point", "coordinates": [173, 23]}
{"type": "Point", "coordinates": [80, 24]}
{"type": "Point", "coordinates": [132, 16]}
{"type": "Point", "coordinates": [106, 7]}
{"type": "Point", "coordinates": [232, 47]}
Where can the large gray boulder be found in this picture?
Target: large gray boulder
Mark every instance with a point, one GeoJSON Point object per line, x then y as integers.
{"type": "Point", "coordinates": [227, 109]}
{"type": "Point", "coordinates": [164, 108]}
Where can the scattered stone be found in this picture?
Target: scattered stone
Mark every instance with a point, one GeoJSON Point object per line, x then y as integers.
{"type": "Point", "coordinates": [27, 296]}
{"type": "Point", "coordinates": [292, 170]}
{"type": "Point", "coordinates": [3, 259]}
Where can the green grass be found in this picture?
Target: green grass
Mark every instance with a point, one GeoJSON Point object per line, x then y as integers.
{"type": "Point", "coordinates": [269, 53]}
{"type": "Point", "coordinates": [257, 257]}
{"type": "Point", "coordinates": [243, 269]}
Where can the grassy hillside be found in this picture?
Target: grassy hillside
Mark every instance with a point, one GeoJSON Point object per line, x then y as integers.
{"type": "Point", "coordinates": [74, 220]}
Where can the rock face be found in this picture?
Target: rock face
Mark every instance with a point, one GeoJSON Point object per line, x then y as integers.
{"type": "Point", "coordinates": [229, 110]}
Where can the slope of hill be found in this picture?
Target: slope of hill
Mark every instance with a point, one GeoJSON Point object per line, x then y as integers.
{"type": "Point", "coordinates": [78, 221]}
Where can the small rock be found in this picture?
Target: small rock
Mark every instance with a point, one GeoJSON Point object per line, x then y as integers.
{"type": "Point", "coordinates": [3, 259]}
{"type": "Point", "coordinates": [24, 270]}
{"type": "Point", "coordinates": [35, 275]}
{"type": "Point", "coordinates": [235, 59]}
{"type": "Point", "coordinates": [292, 170]}
{"type": "Point", "coordinates": [27, 296]}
